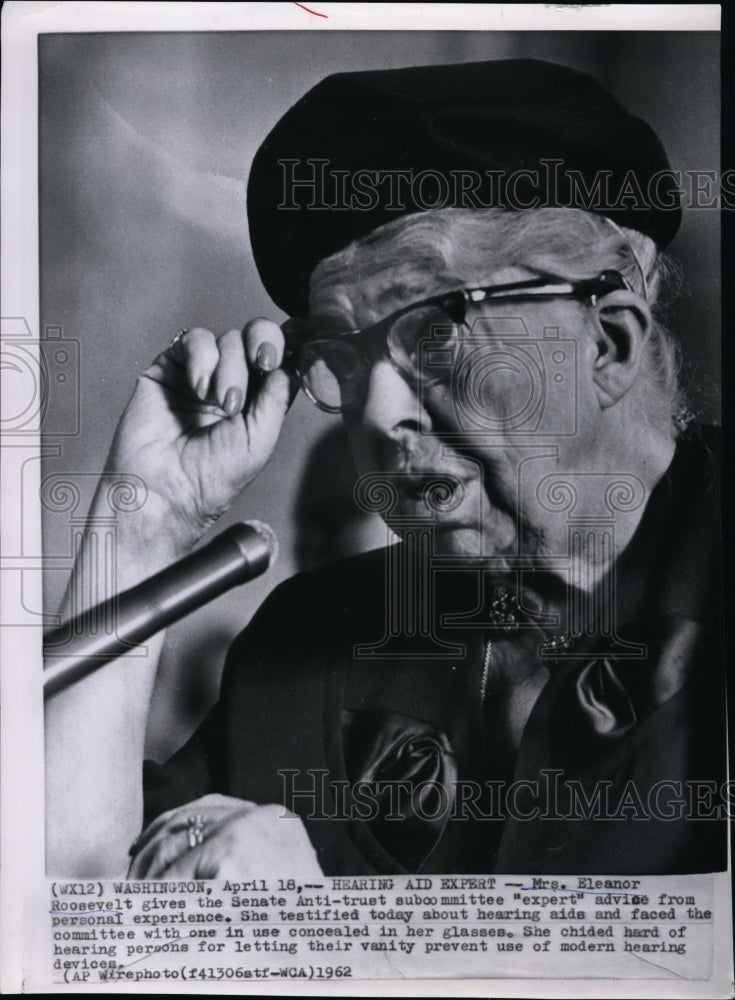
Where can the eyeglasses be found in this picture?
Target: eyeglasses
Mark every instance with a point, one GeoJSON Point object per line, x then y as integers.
{"type": "Point", "coordinates": [334, 371]}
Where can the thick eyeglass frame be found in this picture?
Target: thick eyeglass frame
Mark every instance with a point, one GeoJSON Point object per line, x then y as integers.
{"type": "Point", "coordinates": [375, 340]}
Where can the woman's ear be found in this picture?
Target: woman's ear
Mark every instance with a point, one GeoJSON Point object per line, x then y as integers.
{"type": "Point", "coordinates": [622, 329]}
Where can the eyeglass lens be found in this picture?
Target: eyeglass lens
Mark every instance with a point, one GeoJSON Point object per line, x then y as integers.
{"type": "Point", "coordinates": [334, 372]}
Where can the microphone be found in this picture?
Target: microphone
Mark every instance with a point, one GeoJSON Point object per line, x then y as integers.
{"type": "Point", "coordinates": [106, 631]}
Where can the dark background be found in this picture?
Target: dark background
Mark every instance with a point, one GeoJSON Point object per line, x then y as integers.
{"type": "Point", "coordinates": [145, 146]}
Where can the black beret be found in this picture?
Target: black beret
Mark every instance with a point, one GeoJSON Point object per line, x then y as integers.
{"type": "Point", "coordinates": [361, 149]}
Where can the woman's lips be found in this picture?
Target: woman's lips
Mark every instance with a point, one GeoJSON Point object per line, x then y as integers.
{"type": "Point", "coordinates": [438, 495]}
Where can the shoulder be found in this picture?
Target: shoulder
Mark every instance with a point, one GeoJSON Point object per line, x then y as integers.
{"type": "Point", "coordinates": [690, 486]}
{"type": "Point", "coordinates": [686, 521]}
{"type": "Point", "coordinates": [697, 461]}
{"type": "Point", "coordinates": [333, 596]}
{"type": "Point", "coordinates": [345, 581]}
{"type": "Point", "coordinates": [696, 480]}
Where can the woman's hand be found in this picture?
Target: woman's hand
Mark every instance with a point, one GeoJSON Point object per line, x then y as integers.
{"type": "Point", "coordinates": [222, 837]}
{"type": "Point", "coordinates": [202, 423]}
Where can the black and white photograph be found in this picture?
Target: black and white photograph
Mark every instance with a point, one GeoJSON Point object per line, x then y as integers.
{"type": "Point", "coordinates": [363, 477]}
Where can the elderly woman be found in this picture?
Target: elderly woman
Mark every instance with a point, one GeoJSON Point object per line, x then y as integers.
{"type": "Point", "coordinates": [529, 681]}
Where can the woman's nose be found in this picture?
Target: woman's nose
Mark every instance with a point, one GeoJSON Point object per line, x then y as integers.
{"type": "Point", "coordinates": [391, 405]}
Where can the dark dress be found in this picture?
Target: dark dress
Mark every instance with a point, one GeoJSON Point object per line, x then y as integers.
{"type": "Point", "coordinates": [390, 762]}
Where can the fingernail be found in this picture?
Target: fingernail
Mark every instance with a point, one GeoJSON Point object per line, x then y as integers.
{"type": "Point", "coordinates": [267, 357]}
{"type": "Point", "coordinates": [201, 387]}
{"type": "Point", "coordinates": [233, 401]}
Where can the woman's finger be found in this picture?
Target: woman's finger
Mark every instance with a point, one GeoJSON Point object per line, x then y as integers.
{"type": "Point", "coordinates": [229, 383]}
{"type": "Point", "coordinates": [159, 853]}
{"type": "Point", "coordinates": [263, 342]}
{"type": "Point", "coordinates": [198, 352]}
{"type": "Point", "coordinates": [154, 828]}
